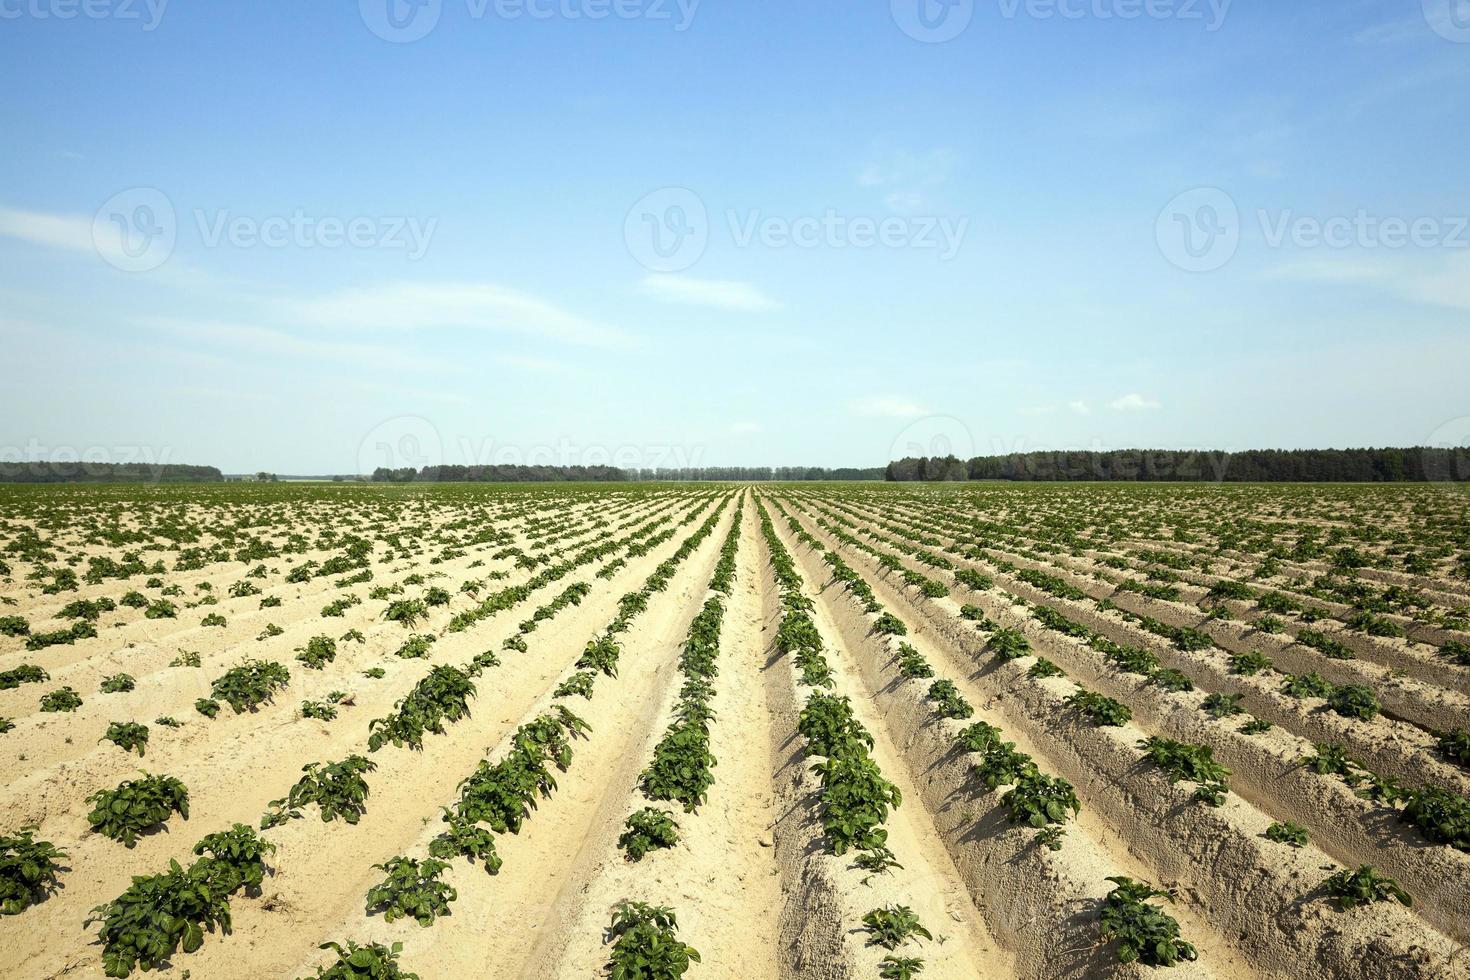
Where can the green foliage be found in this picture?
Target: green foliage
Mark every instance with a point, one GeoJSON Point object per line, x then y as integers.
{"type": "Point", "coordinates": [1172, 680]}
{"type": "Point", "coordinates": [135, 806]}
{"type": "Point", "coordinates": [647, 830]}
{"type": "Point", "coordinates": [1009, 644]}
{"type": "Point", "coordinates": [29, 870]}
{"type": "Point", "coordinates": [1187, 761]}
{"type": "Point", "coordinates": [1250, 663]}
{"type": "Point", "coordinates": [127, 735]}
{"type": "Point", "coordinates": [464, 838]}
{"type": "Point", "coordinates": [442, 697]}
{"type": "Point", "coordinates": [1144, 933]}
{"type": "Point", "coordinates": [947, 700]}
{"type": "Point", "coordinates": [158, 914]}
{"type": "Point", "coordinates": [900, 967]}
{"type": "Point", "coordinates": [1288, 833]}
{"type": "Point", "coordinates": [208, 707]}
{"type": "Point", "coordinates": [892, 926]}
{"type": "Point", "coordinates": [646, 945]}
{"type": "Point", "coordinates": [318, 652]}
{"type": "Point", "coordinates": [1045, 668]}
{"type": "Point", "coordinates": [1219, 706]}
{"type": "Point", "coordinates": [911, 663]}
{"type": "Point", "coordinates": [61, 699]}
{"type": "Point", "coordinates": [1349, 889]}
{"type": "Point", "coordinates": [118, 684]}
{"type": "Point", "coordinates": [411, 889]}
{"type": "Point", "coordinates": [1455, 745]}
{"type": "Point", "coordinates": [1103, 711]}
{"type": "Point", "coordinates": [416, 647]}
{"type": "Point", "coordinates": [371, 962]}
{"type": "Point", "coordinates": [251, 684]}
{"type": "Point", "coordinates": [1038, 800]}
{"type": "Point", "coordinates": [24, 674]}
{"type": "Point", "coordinates": [888, 624]}
{"type": "Point", "coordinates": [1311, 685]}
{"type": "Point", "coordinates": [680, 770]}
{"type": "Point", "coordinates": [408, 613]}
{"type": "Point", "coordinates": [1440, 815]}
{"type": "Point", "coordinates": [1354, 701]}
{"type": "Point", "coordinates": [337, 788]}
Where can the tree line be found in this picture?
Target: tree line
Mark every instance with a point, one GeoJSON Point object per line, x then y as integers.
{"type": "Point", "coordinates": [79, 472]}
{"type": "Point", "coordinates": [1387, 465]}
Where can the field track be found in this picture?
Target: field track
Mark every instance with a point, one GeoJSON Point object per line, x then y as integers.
{"type": "Point", "coordinates": [1248, 690]}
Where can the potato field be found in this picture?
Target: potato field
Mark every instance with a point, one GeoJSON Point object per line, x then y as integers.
{"type": "Point", "coordinates": [855, 730]}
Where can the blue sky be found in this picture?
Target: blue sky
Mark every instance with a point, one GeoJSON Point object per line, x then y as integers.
{"type": "Point", "coordinates": [1079, 223]}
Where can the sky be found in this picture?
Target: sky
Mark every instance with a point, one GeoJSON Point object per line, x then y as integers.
{"type": "Point", "coordinates": [325, 237]}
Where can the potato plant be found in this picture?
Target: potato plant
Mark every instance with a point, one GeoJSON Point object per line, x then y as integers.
{"type": "Point", "coordinates": [29, 870]}
{"type": "Point", "coordinates": [136, 806]}
{"type": "Point", "coordinates": [411, 889]}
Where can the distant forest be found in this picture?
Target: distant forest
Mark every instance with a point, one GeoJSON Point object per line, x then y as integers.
{"type": "Point", "coordinates": [1412, 465]}
{"type": "Point", "coordinates": [43, 472]}
{"type": "Point", "coordinates": [749, 474]}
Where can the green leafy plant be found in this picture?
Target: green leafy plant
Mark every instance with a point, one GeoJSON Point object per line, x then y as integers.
{"type": "Point", "coordinates": [1144, 933]}
{"type": "Point", "coordinates": [1038, 800]}
{"type": "Point", "coordinates": [1045, 668]}
{"type": "Point", "coordinates": [136, 806]}
{"type": "Point", "coordinates": [318, 652]}
{"type": "Point", "coordinates": [900, 967]}
{"type": "Point", "coordinates": [411, 889]}
{"type": "Point", "coordinates": [1288, 833]}
{"type": "Point", "coordinates": [159, 914]}
{"type": "Point", "coordinates": [251, 684]}
{"type": "Point", "coordinates": [1349, 889]}
{"type": "Point", "coordinates": [947, 700]}
{"type": "Point", "coordinates": [892, 926]}
{"type": "Point", "coordinates": [464, 838]}
{"type": "Point", "coordinates": [127, 735]}
{"type": "Point", "coordinates": [1219, 705]}
{"type": "Point", "coordinates": [645, 944]}
{"type": "Point", "coordinates": [647, 830]}
{"type": "Point", "coordinates": [29, 870]}
{"type": "Point", "coordinates": [1442, 816]}
{"type": "Point", "coordinates": [1354, 701]}
{"type": "Point", "coordinates": [1250, 663]}
{"type": "Point", "coordinates": [118, 684]}
{"type": "Point", "coordinates": [337, 788]}
{"type": "Point", "coordinates": [1311, 685]}
{"type": "Point", "coordinates": [371, 962]}
{"type": "Point", "coordinates": [1103, 711]}
{"type": "Point", "coordinates": [61, 699]}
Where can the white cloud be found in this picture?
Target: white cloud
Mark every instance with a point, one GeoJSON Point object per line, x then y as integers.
{"type": "Point", "coordinates": [52, 230]}
{"type": "Point", "coordinates": [745, 428]}
{"type": "Point", "coordinates": [889, 408]}
{"type": "Point", "coordinates": [718, 293]}
{"type": "Point", "coordinates": [1080, 407]}
{"type": "Point", "coordinates": [907, 176]}
{"type": "Point", "coordinates": [1437, 280]}
{"type": "Point", "coordinates": [251, 339]}
{"type": "Point", "coordinates": [1134, 402]}
{"type": "Point", "coordinates": [428, 306]}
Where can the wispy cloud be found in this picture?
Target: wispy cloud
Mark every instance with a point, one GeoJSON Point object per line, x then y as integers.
{"type": "Point", "coordinates": [51, 230]}
{"type": "Point", "coordinates": [463, 305]}
{"type": "Point", "coordinates": [907, 177]}
{"type": "Point", "coordinates": [1080, 407]}
{"type": "Point", "coordinates": [1434, 280]}
{"type": "Point", "coordinates": [889, 407]}
{"type": "Point", "coordinates": [719, 293]}
{"type": "Point", "coordinates": [1134, 402]}
{"type": "Point", "coordinates": [269, 342]}
{"type": "Point", "coordinates": [745, 428]}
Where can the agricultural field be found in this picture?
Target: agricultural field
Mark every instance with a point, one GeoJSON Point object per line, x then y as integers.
{"type": "Point", "coordinates": [713, 730]}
